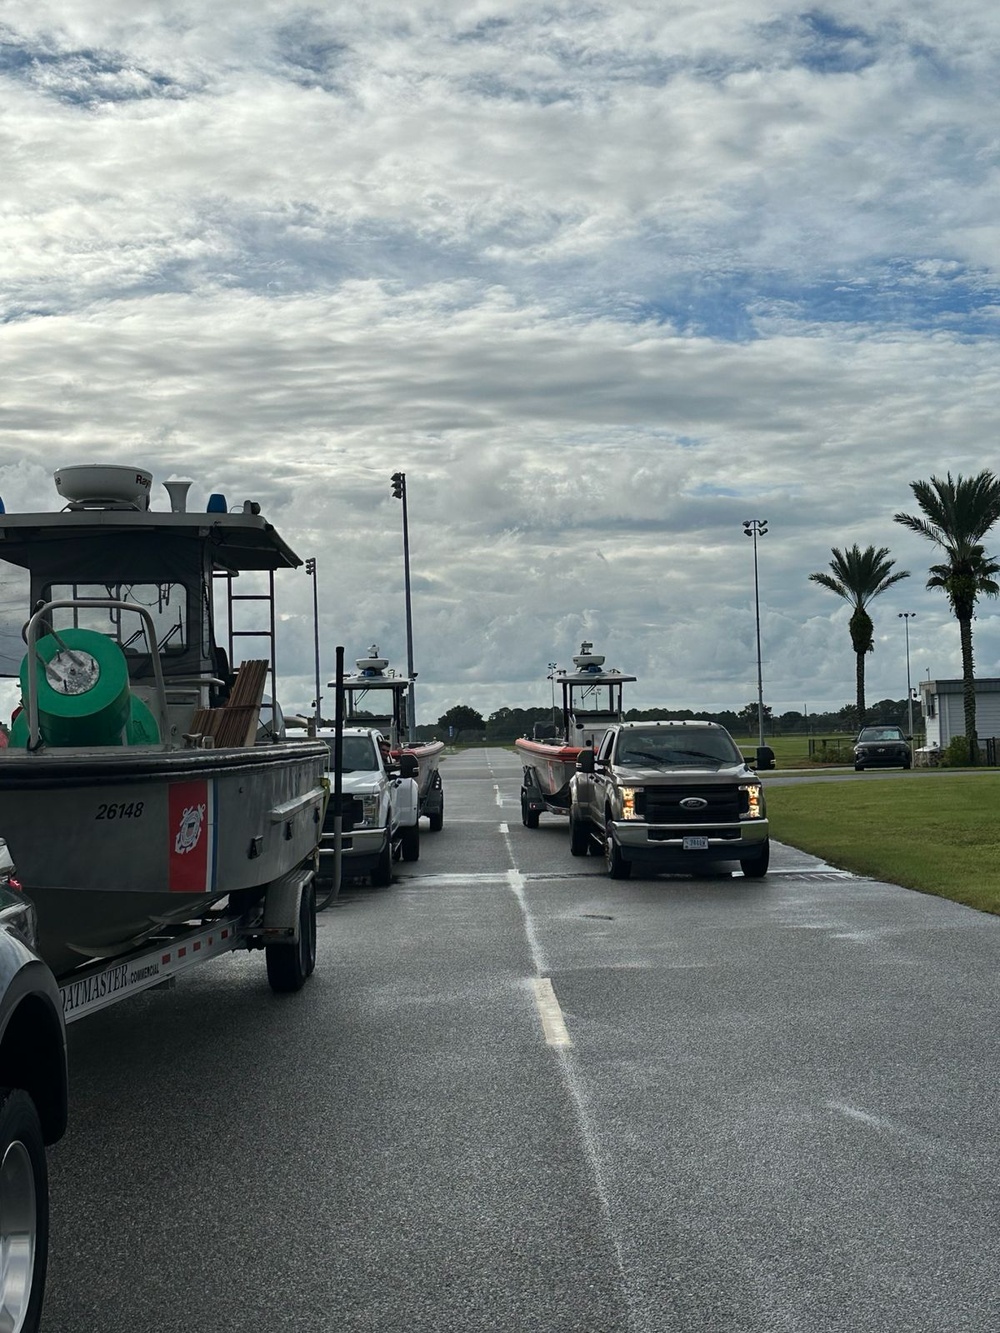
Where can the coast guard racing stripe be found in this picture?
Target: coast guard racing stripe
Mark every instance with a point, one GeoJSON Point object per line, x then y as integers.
{"type": "Point", "coordinates": [191, 830]}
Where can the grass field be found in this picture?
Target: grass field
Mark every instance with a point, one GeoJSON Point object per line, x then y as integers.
{"type": "Point", "coordinates": [940, 835]}
{"type": "Point", "coordinates": [793, 751]}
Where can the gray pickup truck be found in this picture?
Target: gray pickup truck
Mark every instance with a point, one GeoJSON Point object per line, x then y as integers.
{"type": "Point", "coordinates": [668, 796]}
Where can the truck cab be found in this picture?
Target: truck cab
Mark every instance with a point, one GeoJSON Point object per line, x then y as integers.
{"type": "Point", "coordinates": [383, 825]}
{"type": "Point", "coordinates": [669, 796]}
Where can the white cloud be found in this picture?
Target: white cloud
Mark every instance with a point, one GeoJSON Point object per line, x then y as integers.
{"type": "Point", "coordinates": [603, 282]}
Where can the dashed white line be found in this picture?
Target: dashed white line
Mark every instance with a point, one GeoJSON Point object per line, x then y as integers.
{"type": "Point", "coordinates": [549, 1011]}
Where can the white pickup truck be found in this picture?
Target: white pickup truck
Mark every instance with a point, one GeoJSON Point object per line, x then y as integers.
{"type": "Point", "coordinates": [385, 824]}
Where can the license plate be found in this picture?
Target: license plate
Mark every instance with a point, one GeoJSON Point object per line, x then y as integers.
{"type": "Point", "coordinates": [695, 844]}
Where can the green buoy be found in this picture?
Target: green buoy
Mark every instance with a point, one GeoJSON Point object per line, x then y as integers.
{"type": "Point", "coordinates": [81, 679]}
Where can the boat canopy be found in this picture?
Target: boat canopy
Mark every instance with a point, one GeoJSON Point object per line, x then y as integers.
{"type": "Point", "coordinates": [52, 542]}
{"type": "Point", "coordinates": [103, 551]}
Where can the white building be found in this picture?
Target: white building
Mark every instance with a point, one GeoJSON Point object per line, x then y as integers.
{"type": "Point", "coordinates": [943, 709]}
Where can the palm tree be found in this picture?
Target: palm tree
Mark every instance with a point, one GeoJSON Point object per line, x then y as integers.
{"type": "Point", "coordinates": [859, 576]}
{"type": "Point", "coordinates": [958, 512]}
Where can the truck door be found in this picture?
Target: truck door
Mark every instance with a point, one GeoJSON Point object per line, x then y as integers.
{"type": "Point", "coordinates": [599, 783]}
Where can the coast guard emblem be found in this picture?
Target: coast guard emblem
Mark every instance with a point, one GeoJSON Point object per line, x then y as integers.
{"type": "Point", "coordinates": [190, 830]}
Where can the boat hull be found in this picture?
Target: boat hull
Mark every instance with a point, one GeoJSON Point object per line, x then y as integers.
{"type": "Point", "coordinates": [551, 766]}
{"type": "Point", "coordinates": [428, 756]}
{"type": "Point", "coordinates": [112, 846]}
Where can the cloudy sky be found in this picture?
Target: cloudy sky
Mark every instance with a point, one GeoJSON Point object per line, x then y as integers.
{"type": "Point", "coordinates": [602, 279]}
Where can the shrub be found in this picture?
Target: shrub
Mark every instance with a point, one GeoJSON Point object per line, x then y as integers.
{"type": "Point", "coordinates": [956, 753]}
{"type": "Point", "coordinates": [833, 754]}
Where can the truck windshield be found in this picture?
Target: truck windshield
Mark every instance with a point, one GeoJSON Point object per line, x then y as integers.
{"type": "Point", "coordinates": [359, 754]}
{"type": "Point", "coordinates": [676, 748]}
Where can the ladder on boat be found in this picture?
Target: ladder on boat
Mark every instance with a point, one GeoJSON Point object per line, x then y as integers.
{"type": "Point", "coordinates": [268, 633]}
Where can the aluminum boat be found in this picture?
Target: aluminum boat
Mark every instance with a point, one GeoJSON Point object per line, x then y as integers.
{"type": "Point", "coordinates": [591, 702]}
{"type": "Point", "coordinates": [144, 779]}
{"type": "Point", "coordinates": [376, 696]}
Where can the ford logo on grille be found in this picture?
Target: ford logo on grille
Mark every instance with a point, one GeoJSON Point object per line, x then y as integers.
{"type": "Point", "coordinates": [693, 803]}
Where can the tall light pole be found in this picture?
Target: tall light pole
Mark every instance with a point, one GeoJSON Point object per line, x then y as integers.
{"type": "Point", "coordinates": [906, 617]}
{"type": "Point", "coordinates": [757, 527]}
{"type": "Point", "coordinates": [552, 682]}
{"type": "Point", "coordinates": [399, 491]}
{"type": "Point", "coordinates": [311, 570]}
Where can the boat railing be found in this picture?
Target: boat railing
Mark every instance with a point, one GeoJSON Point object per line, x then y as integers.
{"type": "Point", "coordinates": [38, 624]}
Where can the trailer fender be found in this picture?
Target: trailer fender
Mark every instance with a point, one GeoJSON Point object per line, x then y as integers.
{"type": "Point", "coordinates": [282, 906]}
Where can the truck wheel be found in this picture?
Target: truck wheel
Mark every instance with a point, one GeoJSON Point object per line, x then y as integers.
{"type": "Point", "coordinates": [436, 818]}
{"type": "Point", "coordinates": [616, 865]}
{"type": "Point", "coordinates": [755, 867]}
{"type": "Point", "coordinates": [24, 1217]}
{"type": "Point", "coordinates": [579, 836]}
{"type": "Point", "coordinates": [382, 874]}
{"type": "Point", "coordinates": [529, 817]}
{"type": "Point", "coordinates": [288, 965]}
{"type": "Point", "coordinates": [409, 843]}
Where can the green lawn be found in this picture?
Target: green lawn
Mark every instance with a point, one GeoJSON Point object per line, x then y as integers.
{"type": "Point", "coordinates": [793, 751]}
{"type": "Point", "coordinates": [938, 834]}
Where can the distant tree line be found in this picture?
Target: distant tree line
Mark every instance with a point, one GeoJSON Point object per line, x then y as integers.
{"type": "Point", "coordinates": [466, 724]}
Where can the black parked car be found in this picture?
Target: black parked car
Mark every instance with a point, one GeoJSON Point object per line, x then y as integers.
{"type": "Point", "coordinates": [881, 747]}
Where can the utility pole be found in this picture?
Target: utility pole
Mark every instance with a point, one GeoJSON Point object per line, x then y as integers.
{"type": "Point", "coordinates": [317, 710]}
{"type": "Point", "coordinates": [906, 617]}
{"type": "Point", "coordinates": [757, 527]}
{"type": "Point", "coordinates": [399, 491]}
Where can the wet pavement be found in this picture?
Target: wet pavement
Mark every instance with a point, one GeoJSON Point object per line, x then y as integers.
{"type": "Point", "coordinates": [517, 1095]}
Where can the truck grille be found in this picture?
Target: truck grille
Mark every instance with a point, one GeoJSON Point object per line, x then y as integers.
{"type": "Point", "coordinates": [662, 805]}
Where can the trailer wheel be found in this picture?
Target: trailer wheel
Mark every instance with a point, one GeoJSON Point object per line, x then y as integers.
{"type": "Point", "coordinates": [436, 817]}
{"type": "Point", "coordinates": [529, 817]}
{"type": "Point", "coordinates": [288, 965]}
{"type": "Point", "coordinates": [24, 1212]}
{"type": "Point", "coordinates": [409, 843]}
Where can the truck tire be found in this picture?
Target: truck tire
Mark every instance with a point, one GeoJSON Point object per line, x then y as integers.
{"type": "Point", "coordinates": [436, 817]}
{"type": "Point", "coordinates": [755, 867]}
{"type": "Point", "coordinates": [529, 817]}
{"type": "Point", "coordinates": [579, 836]}
{"type": "Point", "coordinates": [24, 1223]}
{"type": "Point", "coordinates": [382, 874]}
{"type": "Point", "coordinates": [616, 865]}
{"type": "Point", "coordinates": [409, 843]}
{"type": "Point", "coordinates": [289, 965]}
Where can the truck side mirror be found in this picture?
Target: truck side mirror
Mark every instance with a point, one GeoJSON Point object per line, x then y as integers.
{"type": "Point", "coordinates": [408, 766]}
{"type": "Point", "coordinates": [585, 761]}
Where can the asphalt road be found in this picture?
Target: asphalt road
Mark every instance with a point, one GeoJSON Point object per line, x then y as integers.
{"type": "Point", "coordinates": [778, 1110]}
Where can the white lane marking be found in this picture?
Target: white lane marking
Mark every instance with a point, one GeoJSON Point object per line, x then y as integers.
{"type": "Point", "coordinates": [504, 828]}
{"type": "Point", "coordinates": [912, 1137]}
{"type": "Point", "coordinates": [549, 1011]}
{"type": "Point", "coordinates": [855, 1113]}
{"type": "Point", "coordinates": [584, 1119]}
{"type": "Point", "coordinates": [516, 881]}
{"type": "Point", "coordinates": [496, 794]}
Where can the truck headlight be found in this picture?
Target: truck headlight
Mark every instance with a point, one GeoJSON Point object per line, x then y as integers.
{"type": "Point", "coordinates": [752, 800]}
{"type": "Point", "coordinates": [629, 795]}
{"type": "Point", "coordinates": [369, 818]}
